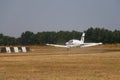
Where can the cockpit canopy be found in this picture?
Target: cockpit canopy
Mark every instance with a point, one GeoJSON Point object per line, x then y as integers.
{"type": "Point", "coordinates": [71, 42]}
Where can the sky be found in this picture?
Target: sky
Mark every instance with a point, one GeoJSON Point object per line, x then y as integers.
{"type": "Point", "coordinates": [18, 16]}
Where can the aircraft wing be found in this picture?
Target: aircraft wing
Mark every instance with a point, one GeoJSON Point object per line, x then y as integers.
{"type": "Point", "coordinates": [90, 44]}
{"type": "Point", "coordinates": [55, 45]}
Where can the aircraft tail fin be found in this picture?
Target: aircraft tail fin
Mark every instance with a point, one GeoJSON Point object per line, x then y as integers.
{"type": "Point", "coordinates": [82, 38]}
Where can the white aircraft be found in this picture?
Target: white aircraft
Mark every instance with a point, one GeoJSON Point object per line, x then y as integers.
{"type": "Point", "coordinates": [76, 43]}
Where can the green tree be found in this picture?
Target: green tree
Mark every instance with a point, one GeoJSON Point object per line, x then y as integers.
{"type": "Point", "coordinates": [27, 38]}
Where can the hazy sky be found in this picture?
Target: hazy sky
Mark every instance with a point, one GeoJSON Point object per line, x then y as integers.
{"type": "Point", "coordinates": [17, 16]}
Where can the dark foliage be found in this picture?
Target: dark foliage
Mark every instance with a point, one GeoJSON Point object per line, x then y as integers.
{"type": "Point", "coordinates": [41, 38]}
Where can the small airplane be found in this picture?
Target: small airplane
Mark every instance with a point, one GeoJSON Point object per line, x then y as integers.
{"type": "Point", "coordinates": [75, 43]}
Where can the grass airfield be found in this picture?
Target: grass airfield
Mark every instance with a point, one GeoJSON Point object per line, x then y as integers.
{"type": "Point", "coordinates": [50, 63]}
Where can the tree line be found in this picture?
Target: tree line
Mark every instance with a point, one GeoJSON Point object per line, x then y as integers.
{"type": "Point", "coordinates": [41, 38]}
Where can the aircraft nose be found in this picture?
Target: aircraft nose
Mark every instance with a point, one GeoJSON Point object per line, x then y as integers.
{"type": "Point", "coordinates": [66, 43]}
